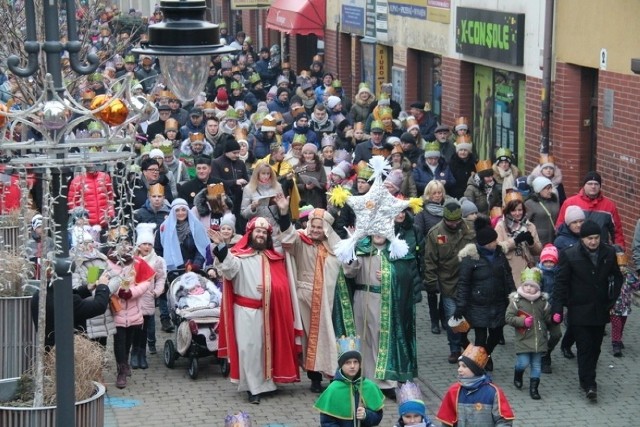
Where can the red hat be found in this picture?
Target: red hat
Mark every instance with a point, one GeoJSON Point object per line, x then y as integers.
{"type": "Point", "coordinates": [549, 253]}
{"type": "Point", "coordinates": [222, 99]}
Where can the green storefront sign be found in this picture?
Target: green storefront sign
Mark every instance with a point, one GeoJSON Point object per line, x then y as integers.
{"type": "Point", "coordinates": [496, 36]}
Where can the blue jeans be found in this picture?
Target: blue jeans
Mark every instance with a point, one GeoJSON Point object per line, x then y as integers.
{"type": "Point", "coordinates": [534, 359]}
{"type": "Point", "coordinates": [449, 307]}
{"type": "Point", "coordinates": [163, 306]}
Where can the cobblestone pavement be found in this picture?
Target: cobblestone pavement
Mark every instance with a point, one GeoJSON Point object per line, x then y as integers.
{"type": "Point", "coordinates": [162, 396]}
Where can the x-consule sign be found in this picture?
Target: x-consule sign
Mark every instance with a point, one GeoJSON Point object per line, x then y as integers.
{"type": "Point", "coordinates": [487, 34]}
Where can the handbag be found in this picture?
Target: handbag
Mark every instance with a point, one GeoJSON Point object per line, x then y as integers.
{"type": "Point", "coordinates": [114, 303]}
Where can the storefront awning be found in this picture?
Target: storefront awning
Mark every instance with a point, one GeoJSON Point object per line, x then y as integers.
{"type": "Point", "coordinates": [302, 17]}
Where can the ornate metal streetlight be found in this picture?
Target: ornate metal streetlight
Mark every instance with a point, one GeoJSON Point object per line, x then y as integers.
{"type": "Point", "coordinates": [184, 42]}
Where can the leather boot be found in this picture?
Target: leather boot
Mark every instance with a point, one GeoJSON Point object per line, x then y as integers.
{"type": "Point", "coordinates": [533, 388]}
{"type": "Point", "coordinates": [517, 378]}
{"type": "Point", "coordinates": [546, 363]}
{"type": "Point", "coordinates": [127, 369]}
{"type": "Point", "coordinates": [134, 358]}
{"type": "Point", "coordinates": [121, 379]}
{"type": "Point", "coordinates": [142, 359]}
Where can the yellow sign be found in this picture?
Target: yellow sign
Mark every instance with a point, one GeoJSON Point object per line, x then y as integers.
{"type": "Point", "coordinates": [250, 4]}
{"type": "Point", "coordinates": [382, 67]}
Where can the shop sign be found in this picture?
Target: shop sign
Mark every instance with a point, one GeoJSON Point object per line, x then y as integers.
{"type": "Point", "coordinates": [250, 4]}
{"type": "Point", "coordinates": [496, 36]}
{"type": "Point", "coordinates": [382, 67]}
{"type": "Point", "coordinates": [370, 19]}
{"type": "Point", "coordinates": [409, 9]}
{"type": "Point", "coordinates": [352, 16]}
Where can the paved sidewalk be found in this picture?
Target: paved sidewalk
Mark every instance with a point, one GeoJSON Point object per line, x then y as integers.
{"type": "Point", "coordinates": [161, 396]}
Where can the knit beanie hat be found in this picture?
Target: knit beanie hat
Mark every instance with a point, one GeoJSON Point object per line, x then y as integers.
{"type": "Point", "coordinates": [408, 138]}
{"type": "Point", "coordinates": [333, 101]}
{"type": "Point", "coordinates": [452, 211]}
{"type": "Point", "coordinates": [394, 179]}
{"type": "Point", "coordinates": [590, 228]}
{"type": "Point", "coordinates": [309, 147]}
{"type": "Point", "coordinates": [468, 207]}
{"type": "Point", "coordinates": [592, 176]}
{"type": "Point", "coordinates": [540, 183]}
{"type": "Point", "coordinates": [485, 234]}
{"type": "Point", "coordinates": [573, 213]}
{"type": "Point", "coordinates": [231, 145]}
{"type": "Point", "coordinates": [549, 253]}
{"type": "Point", "coordinates": [228, 219]}
{"type": "Point", "coordinates": [144, 233]}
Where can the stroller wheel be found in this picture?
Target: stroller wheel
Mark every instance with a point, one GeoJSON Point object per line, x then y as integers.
{"type": "Point", "coordinates": [225, 368]}
{"type": "Point", "coordinates": [193, 368]}
{"type": "Point", "coordinates": [170, 354]}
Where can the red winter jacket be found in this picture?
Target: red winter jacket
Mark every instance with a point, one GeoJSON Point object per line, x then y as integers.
{"type": "Point", "coordinates": [94, 192]}
{"type": "Point", "coordinates": [600, 210]}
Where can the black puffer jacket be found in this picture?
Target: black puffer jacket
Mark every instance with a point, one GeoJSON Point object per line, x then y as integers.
{"type": "Point", "coordinates": [484, 286]}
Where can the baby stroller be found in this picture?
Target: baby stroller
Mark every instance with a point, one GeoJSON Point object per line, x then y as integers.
{"type": "Point", "coordinates": [194, 304]}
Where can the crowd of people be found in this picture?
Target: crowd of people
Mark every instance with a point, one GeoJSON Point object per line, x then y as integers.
{"type": "Point", "coordinates": [322, 219]}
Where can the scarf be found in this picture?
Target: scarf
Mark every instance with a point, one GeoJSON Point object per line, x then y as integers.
{"type": "Point", "coordinates": [310, 166]}
{"type": "Point", "coordinates": [513, 226]}
{"type": "Point", "coordinates": [528, 297]}
{"type": "Point", "coordinates": [319, 122]}
{"type": "Point", "coordinates": [182, 227]}
{"type": "Point", "coordinates": [435, 209]}
{"type": "Point", "coordinates": [473, 383]}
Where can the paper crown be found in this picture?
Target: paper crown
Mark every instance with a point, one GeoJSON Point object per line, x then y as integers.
{"type": "Point", "coordinates": [483, 165]}
{"type": "Point", "coordinates": [407, 392]}
{"type": "Point", "coordinates": [305, 211]}
{"type": "Point", "coordinates": [231, 114]}
{"type": "Point", "coordinates": [156, 190]}
{"type": "Point", "coordinates": [503, 154]}
{"type": "Point", "coordinates": [130, 59]}
{"type": "Point", "coordinates": [476, 354]}
{"type": "Point", "coordinates": [622, 259]}
{"type": "Point", "coordinates": [277, 116]}
{"type": "Point", "coordinates": [118, 233]}
{"type": "Point", "coordinates": [411, 122]}
{"type": "Point", "coordinates": [269, 124]}
{"type": "Point", "coordinates": [220, 82]}
{"type": "Point", "coordinates": [511, 196]}
{"type": "Point", "coordinates": [240, 134]}
{"type": "Point", "coordinates": [254, 78]}
{"type": "Point", "coordinates": [531, 275]}
{"type": "Point", "coordinates": [197, 136]}
{"type": "Point", "coordinates": [363, 170]}
{"type": "Point", "coordinates": [215, 190]}
{"type": "Point", "coordinates": [432, 149]}
{"type": "Point", "coordinates": [166, 147]}
{"type": "Point", "coordinates": [208, 106]}
{"type": "Point", "coordinates": [384, 112]}
{"type": "Point", "coordinates": [358, 126]}
{"type": "Point", "coordinates": [461, 123]}
{"type": "Point", "coordinates": [94, 127]}
{"type": "Point", "coordinates": [463, 139]}
{"type": "Point", "coordinates": [346, 344]}
{"type": "Point", "coordinates": [397, 149]}
{"type": "Point", "coordinates": [167, 94]}
{"type": "Point", "coordinates": [235, 85]}
{"type": "Point", "coordinates": [299, 139]}
{"type": "Point", "coordinates": [88, 94]}
{"type": "Point", "coordinates": [171, 124]}
{"type": "Point", "coordinates": [241, 419]}
{"type": "Point", "coordinates": [377, 125]}
{"type": "Point", "coordinates": [336, 84]}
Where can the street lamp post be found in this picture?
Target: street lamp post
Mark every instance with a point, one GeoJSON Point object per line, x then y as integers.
{"type": "Point", "coordinates": [184, 42]}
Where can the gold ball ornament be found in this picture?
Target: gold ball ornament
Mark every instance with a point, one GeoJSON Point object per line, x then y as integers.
{"type": "Point", "coordinates": [98, 101]}
{"type": "Point", "coordinates": [115, 113]}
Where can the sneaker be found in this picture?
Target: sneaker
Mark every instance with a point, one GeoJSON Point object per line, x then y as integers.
{"type": "Point", "coordinates": [592, 394]}
{"type": "Point", "coordinates": [152, 349]}
{"type": "Point", "coordinates": [435, 329]}
{"type": "Point", "coordinates": [316, 387]}
{"type": "Point", "coordinates": [453, 357]}
{"type": "Point", "coordinates": [166, 325]}
{"type": "Point", "coordinates": [254, 399]}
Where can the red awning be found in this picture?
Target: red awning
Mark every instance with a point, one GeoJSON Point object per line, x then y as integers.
{"type": "Point", "coordinates": [302, 17]}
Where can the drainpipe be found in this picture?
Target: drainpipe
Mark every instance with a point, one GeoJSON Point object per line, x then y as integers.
{"type": "Point", "coordinates": [546, 77]}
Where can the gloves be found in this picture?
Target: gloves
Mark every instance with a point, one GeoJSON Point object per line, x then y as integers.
{"type": "Point", "coordinates": [125, 294]}
{"type": "Point", "coordinates": [528, 321]}
{"type": "Point", "coordinates": [557, 318]}
{"type": "Point", "coordinates": [524, 237]}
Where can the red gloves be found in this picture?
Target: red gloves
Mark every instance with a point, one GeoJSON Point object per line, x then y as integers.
{"type": "Point", "coordinates": [125, 294]}
{"type": "Point", "coordinates": [528, 321]}
{"type": "Point", "coordinates": [557, 318]}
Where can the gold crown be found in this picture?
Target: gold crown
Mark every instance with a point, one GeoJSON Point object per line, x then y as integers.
{"type": "Point", "coordinates": [622, 259]}
{"type": "Point", "coordinates": [495, 212]}
{"type": "Point", "coordinates": [358, 126]}
{"type": "Point", "coordinates": [546, 158]}
{"type": "Point", "coordinates": [171, 124]}
{"type": "Point", "coordinates": [269, 121]}
{"type": "Point", "coordinates": [477, 355]}
{"type": "Point", "coordinates": [196, 137]}
{"type": "Point", "coordinates": [465, 139]}
{"type": "Point", "coordinates": [215, 190]}
{"type": "Point", "coordinates": [483, 165]}
{"type": "Point", "coordinates": [512, 196]}
{"type": "Point", "coordinates": [462, 121]}
{"type": "Point", "coordinates": [240, 134]}
{"type": "Point", "coordinates": [208, 106]}
{"type": "Point", "coordinates": [156, 190]}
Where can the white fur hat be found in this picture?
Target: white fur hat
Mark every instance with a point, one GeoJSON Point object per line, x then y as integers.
{"type": "Point", "coordinates": [144, 233]}
{"type": "Point", "coordinates": [189, 280]}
